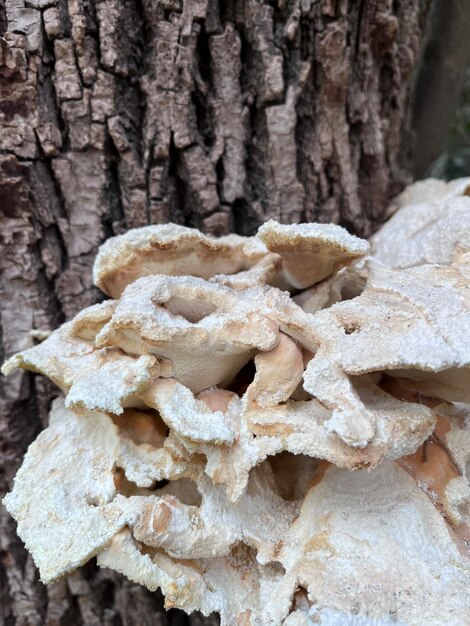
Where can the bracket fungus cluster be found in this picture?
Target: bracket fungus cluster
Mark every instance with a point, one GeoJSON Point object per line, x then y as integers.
{"type": "Point", "coordinates": [274, 428]}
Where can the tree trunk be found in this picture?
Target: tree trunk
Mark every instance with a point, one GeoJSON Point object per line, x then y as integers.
{"type": "Point", "coordinates": [220, 115]}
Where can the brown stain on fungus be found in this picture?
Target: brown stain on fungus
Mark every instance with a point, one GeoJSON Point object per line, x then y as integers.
{"type": "Point", "coordinates": [433, 467]}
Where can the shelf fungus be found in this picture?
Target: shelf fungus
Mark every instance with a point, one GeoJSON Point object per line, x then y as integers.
{"type": "Point", "coordinates": [274, 428]}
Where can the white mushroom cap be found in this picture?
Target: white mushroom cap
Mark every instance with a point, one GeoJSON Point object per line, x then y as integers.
{"type": "Point", "coordinates": [58, 357]}
{"type": "Point", "coordinates": [408, 323]}
{"type": "Point", "coordinates": [104, 379]}
{"type": "Point", "coordinates": [365, 539]}
{"type": "Point", "coordinates": [264, 272]}
{"type": "Point", "coordinates": [64, 521]}
{"type": "Point", "coordinates": [67, 350]}
{"type": "Point", "coordinates": [422, 233]}
{"type": "Point", "coordinates": [115, 383]}
{"type": "Point", "coordinates": [88, 322]}
{"type": "Point", "coordinates": [208, 331]}
{"type": "Point", "coordinates": [278, 374]}
{"type": "Point", "coordinates": [431, 190]}
{"type": "Point", "coordinates": [181, 583]}
{"type": "Point", "coordinates": [188, 417]}
{"type": "Point", "coordinates": [171, 250]}
{"type": "Point", "coordinates": [311, 252]}
{"type": "Point", "coordinates": [147, 454]}
{"type": "Point", "coordinates": [346, 284]}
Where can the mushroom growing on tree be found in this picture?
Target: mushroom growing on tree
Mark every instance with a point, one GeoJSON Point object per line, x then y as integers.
{"type": "Point", "coordinates": [275, 428]}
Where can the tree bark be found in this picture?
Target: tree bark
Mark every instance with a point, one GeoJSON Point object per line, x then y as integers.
{"type": "Point", "coordinates": [216, 114]}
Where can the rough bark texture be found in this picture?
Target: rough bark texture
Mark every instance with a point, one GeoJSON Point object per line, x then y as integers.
{"type": "Point", "coordinates": [217, 114]}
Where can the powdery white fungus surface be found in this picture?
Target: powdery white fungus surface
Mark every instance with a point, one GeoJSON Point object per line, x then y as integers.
{"type": "Point", "coordinates": [275, 428]}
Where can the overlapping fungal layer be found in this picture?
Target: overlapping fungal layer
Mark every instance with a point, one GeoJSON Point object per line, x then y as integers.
{"type": "Point", "coordinates": [213, 413]}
